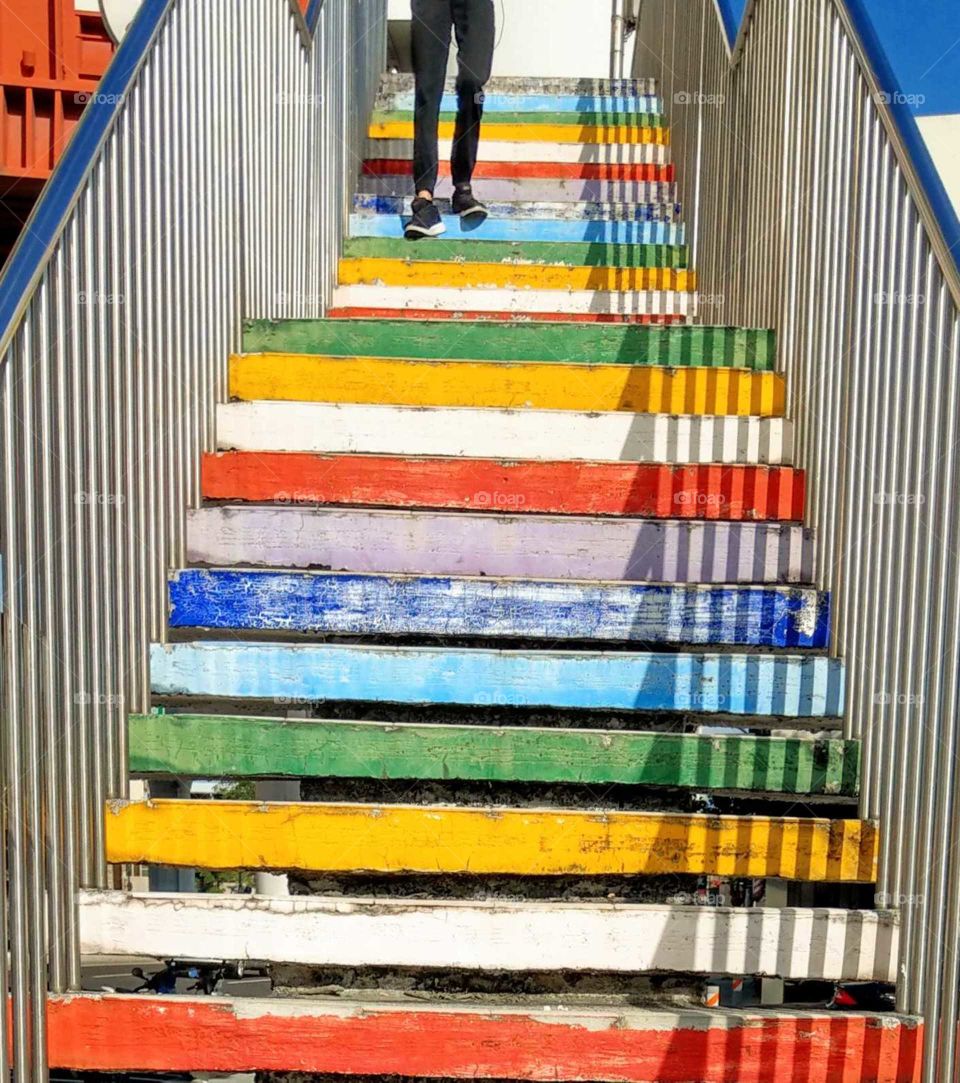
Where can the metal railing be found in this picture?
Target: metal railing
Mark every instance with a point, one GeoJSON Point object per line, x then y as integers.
{"type": "Point", "coordinates": [208, 181]}
{"type": "Point", "coordinates": [807, 213]}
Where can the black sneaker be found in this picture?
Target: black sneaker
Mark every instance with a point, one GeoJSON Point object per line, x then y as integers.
{"type": "Point", "coordinates": [466, 205]}
{"type": "Point", "coordinates": [426, 220]}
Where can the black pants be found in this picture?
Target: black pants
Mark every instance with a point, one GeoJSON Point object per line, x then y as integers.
{"type": "Point", "coordinates": [433, 20]}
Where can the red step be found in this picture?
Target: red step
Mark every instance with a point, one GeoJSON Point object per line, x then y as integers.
{"type": "Point", "coordinates": [554, 170]}
{"type": "Point", "coordinates": [649, 490]}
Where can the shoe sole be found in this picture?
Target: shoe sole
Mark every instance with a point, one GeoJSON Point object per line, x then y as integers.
{"type": "Point", "coordinates": [474, 211]}
{"type": "Point", "coordinates": [416, 232]}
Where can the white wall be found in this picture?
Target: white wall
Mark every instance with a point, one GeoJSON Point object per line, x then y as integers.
{"type": "Point", "coordinates": [942, 135]}
{"type": "Point", "coordinates": [558, 38]}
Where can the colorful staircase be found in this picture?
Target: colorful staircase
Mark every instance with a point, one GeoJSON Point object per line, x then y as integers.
{"type": "Point", "coordinates": [504, 561]}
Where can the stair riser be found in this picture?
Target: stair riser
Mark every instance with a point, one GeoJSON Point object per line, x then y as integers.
{"type": "Point", "coordinates": [728, 493]}
{"type": "Point", "coordinates": [561, 211]}
{"type": "Point", "coordinates": [544, 135]}
{"type": "Point", "coordinates": [383, 606]}
{"type": "Point", "coordinates": [403, 83]}
{"type": "Point", "coordinates": [581, 344]}
{"type": "Point", "coordinates": [535, 103]}
{"type": "Point", "coordinates": [574, 302]}
{"type": "Point", "coordinates": [830, 945]}
{"type": "Point", "coordinates": [535, 189]}
{"type": "Point", "coordinates": [219, 746]}
{"type": "Point", "coordinates": [500, 545]}
{"type": "Point", "coordinates": [370, 224]}
{"type": "Point", "coordinates": [567, 120]}
{"type": "Point", "coordinates": [500, 150]}
{"type": "Point", "coordinates": [437, 839]}
{"type": "Point", "coordinates": [499, 318]}
{"type": "Point", "coordinates": [534, 434]}
{"type": "Point", "coordinates": [340, 1037]}
{"type": "Point", "coordinates": [496, 276]}
{"type": "Point", "coordinates": [583, 388]}
{"type": "Point", "coordinates": [756, 685]}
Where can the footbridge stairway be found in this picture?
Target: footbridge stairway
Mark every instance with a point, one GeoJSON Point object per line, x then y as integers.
{"type": "Point", "coordinates": [504, 562]}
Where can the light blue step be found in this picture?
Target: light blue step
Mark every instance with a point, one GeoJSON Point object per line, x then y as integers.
{"type": "Point", "coordinates": [344, 603]}
{"type": "Point", "coordinates": [575, 211]}
{"type": "Point", "coordinates": [543, 103]}
{"type": "Point", "coordinates": [367, 224]}
{"type": "Point", "coordinates": [768, 685]}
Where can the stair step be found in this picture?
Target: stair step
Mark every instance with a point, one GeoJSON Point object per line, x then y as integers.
{"type": "Point", "coordinates": [534, 132]}
{"type": "Point", "coordinates": [427, 299]}
{"type": "Point", "coordinates": [502, 150]}
{"type": "Point", "coordinates": [507, 385]}
{"type": "Point", "coordinates": [544, 170]}
{"type": "Point", "coordinates": [628, 260]}
{"type": "Point", "coordinates": [732, 493]}
{"type": "Point", "coordinates": [769, 686]}
{"type": "Point", "coordinates": [496, 104]}
{"type": "Point", "coordinates": [435, 839]}
{"type": "Point", "coordinates": [224, 746]}
{"type": "Point", "coordinates": [331, 603]}
{"type": "Point", "coordinates": [367, 223]}
{"type": "Point", "coordinates": [448, 273]}
{"type": "Point", "coordinates": [495, 119]}
{"type": "Point", "coordinates": [495, 935]}
{"type": "Point", "coordinates": [521, 546]}
{"type": "Point", "coordinates": [528, 1040]}
{"type": "Point", "coordinates": [403, 83]}
{"type": "Point", "coordinates": [568, 211]}
{"type": "Point", "coordinates": [751, 348]}
{"type": "Point", "coordinates": [534, 189]}
{"type": "Point", "coordinates": [498, 317]}
{"type": "Point", "coordinates": [484, 433]}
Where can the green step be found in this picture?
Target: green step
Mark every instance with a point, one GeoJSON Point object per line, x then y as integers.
{"type": "Point", "coordinates": [483, 340]}
{"type": "Point", "coordinates": [223, 746]}
{"type": "Point", "coordinates": [619, 120]}
{"type": "Point", "coordinates": [672, 256]}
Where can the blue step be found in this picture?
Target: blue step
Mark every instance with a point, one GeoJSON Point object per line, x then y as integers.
{"type": "Point", "coordinates": [367, 224]}
{"type": "Point", "coordinates": [575, 211]}
{"type": "Point", "coordinates": [542, 103]}
{"type": "Point", "coordinates": [344, 603]}
{"type": "Point", "coordinates": [787, 686]}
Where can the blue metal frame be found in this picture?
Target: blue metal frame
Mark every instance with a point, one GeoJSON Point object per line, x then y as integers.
{"type": "Point", "coordinates": [734, 16]}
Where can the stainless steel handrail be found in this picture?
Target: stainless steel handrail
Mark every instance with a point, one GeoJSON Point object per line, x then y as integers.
{"type": "Point", "coordinates": [208, 181]}
{"type": "Point", "coordinates": [810, 211]}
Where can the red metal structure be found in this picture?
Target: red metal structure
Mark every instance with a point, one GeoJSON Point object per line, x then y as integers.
{"type": "Point", "coordinates": [52, 54]}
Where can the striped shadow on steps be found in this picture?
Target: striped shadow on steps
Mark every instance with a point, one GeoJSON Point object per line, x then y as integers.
{"type": "Point", "coordinates": [623, 258]}
{"type": "Point", "coordinates": [434, 839]}
{"type": "Point", "coordinates": [532, 103]}
{"type": "Point", "coordinates": [767, 685]}
{"type": "Point", "coordinates": [520, 546]}
{"type": "Point", "coordinates": [432, 340]}
{"type": "Point", "coordinates": [660, 491]}
{"type": "Point", "coordinates": [495, 935]}
{"type": "Point", "coordinates": [324, 603]}
{"type": "Point", "coordinates": [446, 271]}
{"type": "Point", "coordinates": [565, 210]}
{"type": "Point", "coordinates": [546, 155]}
{"type": "Point", "coordinates": [533, 189]}
{"type": "Point", "coordinates": [506, 385]}
{"type": "Point", "coordinates": [543, 135]}
{"type": "Point", "coordinates": [659, 305]}
{"type": "Point", "coordinates": [485, 433]}
{"type": "Point", "coordinates": [508, 228]}
{"type": "Point", "coordinates": [225, 746]}
{"type": "Point", "coordinates": [495, 120]}
{"type": "Point", "coordinates": [437, 1038]}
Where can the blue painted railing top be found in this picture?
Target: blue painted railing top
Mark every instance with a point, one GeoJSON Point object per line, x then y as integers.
{"type": "Point", "coordinates": [915, 59]}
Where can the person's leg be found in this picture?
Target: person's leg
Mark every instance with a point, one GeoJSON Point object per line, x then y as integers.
{"type": "Point", "coordinates": [431, 26]}
{"type": "Point", "coordinates": [474, 22]}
